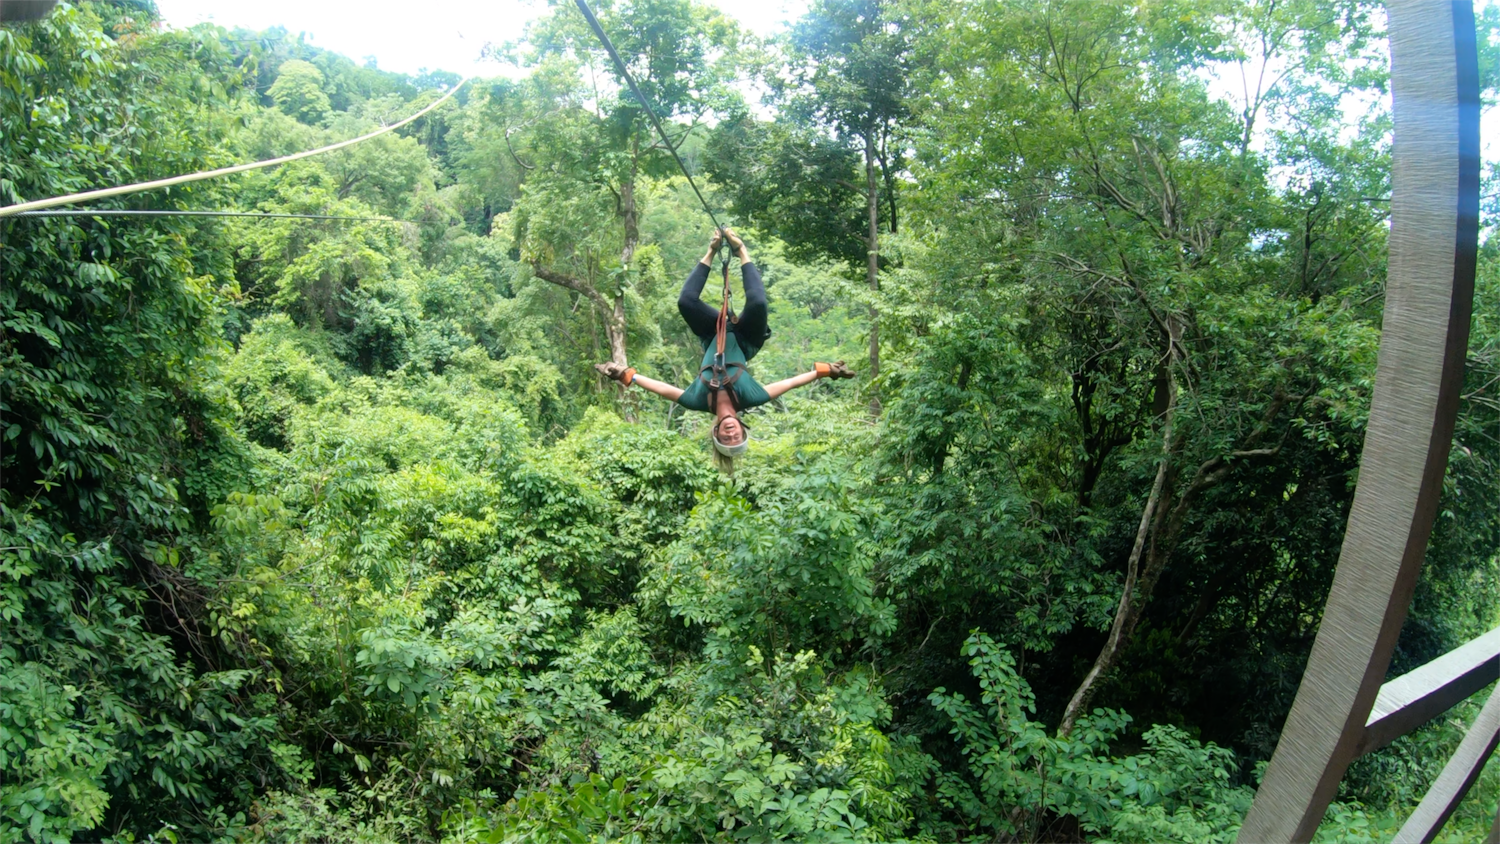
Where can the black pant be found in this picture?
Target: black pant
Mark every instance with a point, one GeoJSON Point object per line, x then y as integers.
{"type": "Point", "coordinates": [703, 318]}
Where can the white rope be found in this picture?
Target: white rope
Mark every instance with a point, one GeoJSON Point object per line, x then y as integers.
{"type": "Point", "coordinates": [87, 196]}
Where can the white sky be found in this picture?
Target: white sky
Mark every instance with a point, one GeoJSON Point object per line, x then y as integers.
{"type": "Point", "coordinates": [450, 34]}
{"type": "Point", "coordinates": [406, 37]}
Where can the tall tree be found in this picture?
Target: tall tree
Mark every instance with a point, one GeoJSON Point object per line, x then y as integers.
{"type": "Point", "coordinates": [846, 86]}
{"type": "Point", "coordinates": [679, 52]}
{"type": "Point", "coordinates": [1141, 225]}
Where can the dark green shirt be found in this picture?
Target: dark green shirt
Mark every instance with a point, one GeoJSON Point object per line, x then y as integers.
{"type": "Point", "coordinates": [747, 393]}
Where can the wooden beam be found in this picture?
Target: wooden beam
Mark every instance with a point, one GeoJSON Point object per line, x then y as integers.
{"type": "Point", "coordinates": [20, 11]}
{"type": "Point", "coordinates": [1414, 698]}
{"type": "Point", "coordinates": [1458, 775]}
{"type": "Point", "coordinates": [1418, 379]}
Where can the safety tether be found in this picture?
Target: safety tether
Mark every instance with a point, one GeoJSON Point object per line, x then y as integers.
{"type": "Point", "coordinates": [719, 377]}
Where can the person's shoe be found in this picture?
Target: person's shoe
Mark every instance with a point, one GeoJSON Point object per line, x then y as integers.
{"type": "Point", "coordinates": [616, 371]}
{"type": "Point", "coordinates": [834, 370]}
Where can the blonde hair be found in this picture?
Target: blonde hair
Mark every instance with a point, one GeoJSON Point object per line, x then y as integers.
{"type": "Point", "coordinates": [723, 462]}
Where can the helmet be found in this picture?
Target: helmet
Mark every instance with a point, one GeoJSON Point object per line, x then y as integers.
{"type": "Point", "coordinates": [730, 450]}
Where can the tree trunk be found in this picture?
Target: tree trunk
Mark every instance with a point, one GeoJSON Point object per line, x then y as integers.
{"type": "Point", "coordinates": [872, 266]}
{"type": "Point", "coordinates": [889, 163]}
{"type": "Point", "coordinates": [616, 315]}
{"type": "Point", "coordinates": [1128, 612]}
{"type": "Point", "coordinates": [627, 208]}
{"type": "Point", "coordinates": [631, 224]}
{"type": "Point", "coordinates": [611, 313]}
{"type": "Point", "coordinates": [1162, 523]}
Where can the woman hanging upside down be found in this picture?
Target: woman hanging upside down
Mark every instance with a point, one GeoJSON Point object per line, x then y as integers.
{"type": "Point", "coordinates": [728, 389]}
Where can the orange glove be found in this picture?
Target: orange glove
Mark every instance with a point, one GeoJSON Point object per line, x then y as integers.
{"type": "Point", "coordinates": [617, 371]}
{"type": "Point", "coordinates": [833, 370]}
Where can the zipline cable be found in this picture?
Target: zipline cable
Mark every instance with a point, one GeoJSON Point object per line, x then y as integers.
{"type": "Point", "coordinates": [113, 212]}
{"type": "Point", "coordinates": [88, 196]}
{"type": "Point", "coordinates": [609, 47]}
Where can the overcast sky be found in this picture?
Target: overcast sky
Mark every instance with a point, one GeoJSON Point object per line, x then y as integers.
{"type": "Point", "coordinates": [450, 34]}
{"type": "Point", "coordinates": [406, 37]}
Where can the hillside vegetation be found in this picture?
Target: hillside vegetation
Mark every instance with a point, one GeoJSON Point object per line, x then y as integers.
{"type": "Point", "coordinates": [320, 530]}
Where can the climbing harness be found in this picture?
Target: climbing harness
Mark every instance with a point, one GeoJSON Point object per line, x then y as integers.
{"type": "Point", "coordinates": [722, 375]}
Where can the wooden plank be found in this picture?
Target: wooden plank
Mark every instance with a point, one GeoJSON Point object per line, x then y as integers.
{"type": "Point", "coordinates": [1418, 696]}
{"type": "Point", "coordinates": [1458, 775]}
{"type": "Point", "coordinates": [1418, 377]}
{"type": "Point", "coordinates": [20, 11]}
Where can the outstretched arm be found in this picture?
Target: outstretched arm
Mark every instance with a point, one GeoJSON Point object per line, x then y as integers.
{"type": "Point", "coordinates": [820, 370]}
{"type": "Point", "coordinates": [627, 376]}
{"type": "Point", "coordinates": [666, 391]}
{"type": "Point", "coordinates": [779, 388]}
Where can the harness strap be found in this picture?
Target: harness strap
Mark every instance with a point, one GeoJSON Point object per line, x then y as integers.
{"type": "Point", "coordinates": [723, 325]}
{"type": "Point", "coordinates": [720, 378]}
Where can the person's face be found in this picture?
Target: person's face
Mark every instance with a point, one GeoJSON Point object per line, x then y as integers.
{"type": "Point", "coordinates": [731, 432]}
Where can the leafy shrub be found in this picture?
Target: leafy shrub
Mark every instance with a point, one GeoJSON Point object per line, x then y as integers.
{"type": "Point", "coordinates": [1022, 782]}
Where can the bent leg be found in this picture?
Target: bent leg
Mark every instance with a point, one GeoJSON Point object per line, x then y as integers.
{"type": "Point", "coordinates": [754, 322]}
{"type": "Point", "coordinates": [701, 318]}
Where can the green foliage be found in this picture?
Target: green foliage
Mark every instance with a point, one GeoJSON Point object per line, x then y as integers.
{"type": "Point", "coordinates": [594, 810]}
{"type": "Point", "coordinates": [275, 372]}
{"type": "Point", "coordinates": [790, 573]}
{"type": "Point", "coordinates": [116, 440]}
{"type": "Point", "coordinates": [1129, 292]}
{"type": "Point", "coordinates": [298, 92]}
{"type": "Point", "coordinates": [1022, 782]}
{"type": "Point", "coordinates": [798, 186]}
{"type": "Point", "coordinates": [844, 86]}
{"type": "Point", "coordinates": [327, 530]}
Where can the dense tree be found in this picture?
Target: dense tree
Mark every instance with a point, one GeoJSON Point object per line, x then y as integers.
{"type": "Point", "coordinates": [117, 714]}
{"type": "Point", "coordinates": [298, 92]}
{"type": "Point", "coordinates": [1132, 205]}
{"type": "Point", "coordinates": [842, 79]}
{"type": "Point", "coordinates": [599, 155]}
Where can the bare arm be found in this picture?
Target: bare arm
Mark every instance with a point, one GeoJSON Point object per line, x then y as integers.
{"type": "Point", "coordinates": [820, 370]}
{"type": "Point", "coordinates": [627, 376]}
{"type": "Point", "coordinates": [666, 391]}
{"type": "Point", "coordinates": [784, 385]}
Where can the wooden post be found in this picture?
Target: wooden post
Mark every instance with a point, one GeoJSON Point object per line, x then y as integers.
{"type": "Point", "coordinates": [1418, 696]}
{"type": "Point", "coordinates": [1419, 374]}
{"type": "Point", "coordinates": [1458, 775]}
{"type": "Point", "coordinates": [20, 11]}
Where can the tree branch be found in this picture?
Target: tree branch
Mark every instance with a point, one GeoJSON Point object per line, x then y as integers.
{"type": "Point", "coordinates": [552, 276]}
{"type": "Point", "coordinates": [519, 163]}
